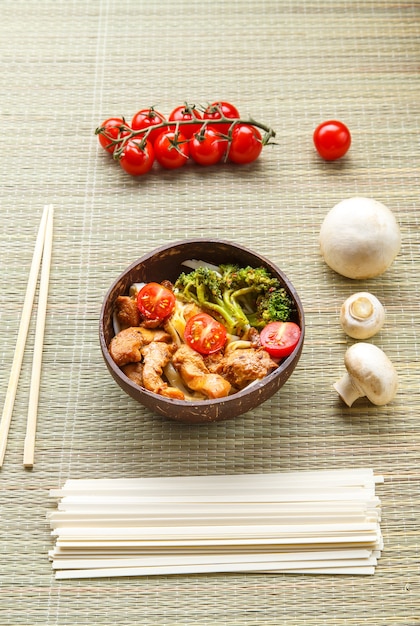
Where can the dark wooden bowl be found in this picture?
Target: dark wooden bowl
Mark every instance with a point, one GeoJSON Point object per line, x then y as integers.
{"type": "Point", "coordinates": [165, 263]}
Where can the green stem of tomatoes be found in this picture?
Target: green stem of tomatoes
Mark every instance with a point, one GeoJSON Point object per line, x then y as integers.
{"type": "Point", "coordinates": [120, 143]}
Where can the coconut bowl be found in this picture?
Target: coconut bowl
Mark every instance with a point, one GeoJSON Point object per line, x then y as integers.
{"type": "Point", "coordinates": [165, 263]}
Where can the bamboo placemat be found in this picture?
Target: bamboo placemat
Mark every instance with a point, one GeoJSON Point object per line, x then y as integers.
{"type": "Point", "coordinates": [65, 67]}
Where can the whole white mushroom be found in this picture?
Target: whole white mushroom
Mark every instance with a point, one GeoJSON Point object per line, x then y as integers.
{"type": "Point", "coordinates": [362, 315]}
{"type": "Point", "coordinates": [369, 373]}
{"type": "Point", "coordinates": [359, 238]}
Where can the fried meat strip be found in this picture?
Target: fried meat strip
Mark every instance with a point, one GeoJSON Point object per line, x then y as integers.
{"type": "Point", "coordinates": [126, 346]}
{"type": "Point", "coordinates": [155, 356]}
{"type": "Point", "coordinates": [196, 376]}
{"type": "Point", "coordinates": [242, 366]}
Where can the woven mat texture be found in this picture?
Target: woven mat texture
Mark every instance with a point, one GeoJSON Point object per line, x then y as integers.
{"type": "Point", "coordinates": [65, 67]}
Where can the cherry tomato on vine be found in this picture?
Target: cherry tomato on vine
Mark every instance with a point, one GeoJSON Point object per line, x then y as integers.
{"type": "Point", "coordinates": [155, 301]}
{"type": "Point", "coordinates": [145, 118]}
{"type": "Point", "coordinates": [205, 334]}
{"type": "Point", "coordinates": [280, 338]}
{"type": "Point", "coordinates": [246, 144]}
{"type": "Point", "coordinates": [332, 140]}
{"type": "Point", "coordinates": [185, 114]}
{"type": "Point", "coordinates": [207, 147]}
{"type": "Point", "coordinates": [137, 159]}
{"type": "Point", "coordinates": [213, 113]}
{"type": "Point", "coordinates": [114, 129]}
{"type": "Point", "coordinates": [171, 150]}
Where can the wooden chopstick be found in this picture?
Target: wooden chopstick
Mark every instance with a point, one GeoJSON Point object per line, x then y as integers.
{"type": "Point", "coordinates": [29, 446]}
{"type": "Point", "coordinates": [22, 334]}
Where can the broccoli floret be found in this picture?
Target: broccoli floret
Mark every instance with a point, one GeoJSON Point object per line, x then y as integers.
{"type": "Point", "coordinates": [199, 285]}
{"type": "Point", "coordinates": [240, 297]}
{"type": "Point", "coordinates": [259, 278]}
{"type": "Point", "coordinates": [204, 287]}
{"type": "Point", "coordinates": [274, 306]}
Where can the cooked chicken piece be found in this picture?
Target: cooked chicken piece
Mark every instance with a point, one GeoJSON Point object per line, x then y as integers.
{"type": "Point", "coordinates": [151, 334]}
{"type": "Point", "coordinates": [152, 324]}
{"type": "Point", "coordinates": [127, 312]}
{"type": "Point", "coordinates": [167, 284]}
{"type": "Point", "coordinates": [134, 371]}
{"type": "Point", "coordinates": [126, 345]}
{"type": "Point", "coordinates": [196, 376]}
{"type": "Point", "coordinates": [254, 337]}
{"type": "Point", "coordinates": [211, 361]}
{"type": "Point", "coordinates": [155, 356]}
{"type": "Point", "coordinates": [241, 367]}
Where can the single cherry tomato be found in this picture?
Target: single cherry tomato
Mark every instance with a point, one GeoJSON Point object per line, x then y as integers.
{"type": "Point", "coordinates": [155, 301]}
{"type": "Point", "coordinates": [205, 334]}
{"type": "Point", "coordinates": [137, 159]}
{"type": "Point", "coordinates": [114, 128]}
{"type": "Point", "coordinates": [207, 147]}
{"type": "Point", "coordinates": [146, 118]}
{"type": "Point", "coordinates": [280, 338]}
{"type": "Point", "coordinates": [332, 140]}
{"type": "Point", "coordinates": [171, 150]}
{"type": "Point", "coordinates": [246, 144]}
{"type": "Point", "coordinates": [213, 113]}
{"type": "Point", "coordinates": [185, 114]}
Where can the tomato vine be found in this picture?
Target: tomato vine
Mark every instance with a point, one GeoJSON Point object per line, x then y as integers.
{"type": "Point", "coordinates": [216, 133]}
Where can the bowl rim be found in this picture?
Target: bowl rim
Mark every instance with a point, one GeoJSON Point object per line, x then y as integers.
{"type": "Point", "coordinates": [213, 401]}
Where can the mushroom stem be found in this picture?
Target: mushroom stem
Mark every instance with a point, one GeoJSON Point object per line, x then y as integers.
{"type": "Point", "coordinates": [347, 390]}
{"type": "Point", "coordinates": [362, 315]}
{"type": "Point", "coordinates": [361, 308]}
{"type": "Point", "coordinates": [369, 373]}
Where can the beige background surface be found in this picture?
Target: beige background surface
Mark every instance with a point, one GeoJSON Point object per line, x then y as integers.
{"type": "Point", "coordinates": [65, 67]}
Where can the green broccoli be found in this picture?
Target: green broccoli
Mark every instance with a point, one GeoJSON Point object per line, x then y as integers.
{"type": "Point", "coordinates": [240, 297]}
{"type": "Point", "coordinates": [237, 277]}
{"type": "Point", "coordinates": [274, 306]}
{"type": "Point", "coordinates": [204, 287]}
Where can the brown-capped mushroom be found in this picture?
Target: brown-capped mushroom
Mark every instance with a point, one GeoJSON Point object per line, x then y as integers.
{"type": "Point", "coordinates": [362, 315]}
{"type": "Point", "coordinates": [369, 373]}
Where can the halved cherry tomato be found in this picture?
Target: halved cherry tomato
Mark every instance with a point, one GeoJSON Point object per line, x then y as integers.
{"type": "Point", "coordinates": [171, 150]}
{"type": "Point", "coordinates": [207, 147]}
{"type": "Point", "coordinates": [137, 159]}
{"type": "Point", "coordinates": [184, 114]}
{"type": "Point", "coordinates": [205, 334]}
{"type": "Point", "coordinates": [213, 113]}
{"type": "Point", "coordinates": [155, 301]}
{"type": "Point", "coordinates": [246, 144]}
{"type": "Point", "coordinates": [114, 129]}
{"type": "Point", "coordinates": [280, 338]}
{"type": "Point", "coordinates": [145, 118]}
{"type": "Point", "coordinates": [332, 140]}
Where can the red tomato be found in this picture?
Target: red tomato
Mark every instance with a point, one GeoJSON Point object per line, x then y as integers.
{"type": "Point", "coordinates": [205, 334]}
{"type": "Point", "coordinates": [171, 150]}
{"type": "Point", "coordinates": [207, 147]}
{"type": "Point", "coordinates": [114, 129]}
{"type": "Point", "coordinates": [185, 114]}
{"type": "Point", "coordinates": [137, 160]}
{"type": "Point", "coordinates": [246, 144]}
{"type": "Point", "coordinates": [280, 338]}
{"type": "Point", "coordinates": [145, 119]}
{"type": "Point", "coordinates": [332, 140]}
{"type": "Point", "coordinates": [155, 301]}
{"type": "Point", "coordinates": [213, 113]}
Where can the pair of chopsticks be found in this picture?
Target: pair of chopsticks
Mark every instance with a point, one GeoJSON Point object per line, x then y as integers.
{"type": "Point", "coordinates": [42, 252]}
